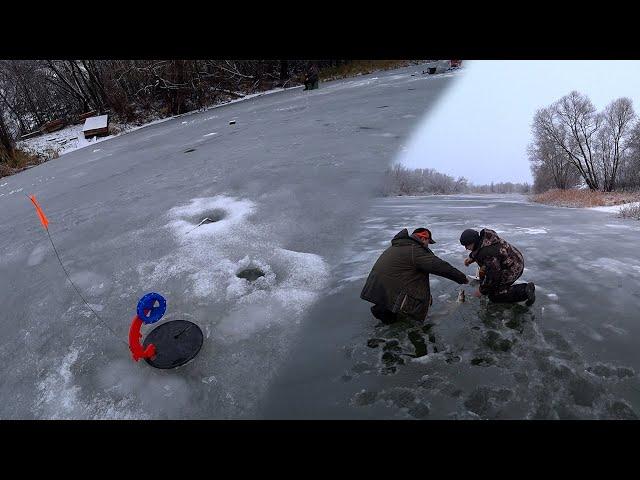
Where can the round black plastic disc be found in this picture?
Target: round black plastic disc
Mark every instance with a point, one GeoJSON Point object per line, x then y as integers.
{"type": "Point", "coordinates": [177, 342]}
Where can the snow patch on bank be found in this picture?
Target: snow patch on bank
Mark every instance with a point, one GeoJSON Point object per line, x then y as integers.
{"type": "Point", "coordinates": [71, 138]}
{"type": "Point", "coordinates": [614, 208]}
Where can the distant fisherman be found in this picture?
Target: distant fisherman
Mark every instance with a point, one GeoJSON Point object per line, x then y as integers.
{"type": "Point", "coordinates": [398, 284]}
{"type": "Point", "coordinates": [501, 264]}
{"type": "Point", "coordinates": [311, 77]}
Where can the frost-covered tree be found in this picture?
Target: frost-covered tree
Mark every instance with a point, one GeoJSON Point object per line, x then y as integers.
{"type": "Point", "coordinates": [571, 136]}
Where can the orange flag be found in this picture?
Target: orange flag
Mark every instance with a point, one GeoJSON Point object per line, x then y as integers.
{"type": "Point", "coordinates": [43, 218]}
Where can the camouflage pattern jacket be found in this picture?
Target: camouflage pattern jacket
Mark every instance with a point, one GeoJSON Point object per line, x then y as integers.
{"type": "Point", "coordinates": [503, 263]}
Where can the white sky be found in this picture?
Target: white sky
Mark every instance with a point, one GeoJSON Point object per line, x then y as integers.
{"type": "Point", "coordinates": [481, 126]}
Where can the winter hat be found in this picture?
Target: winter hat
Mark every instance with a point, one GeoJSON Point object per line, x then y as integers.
{"type": "Point", "coordinates": [469, 236]}
{"type": "Point", "coordinates": [421, 233]}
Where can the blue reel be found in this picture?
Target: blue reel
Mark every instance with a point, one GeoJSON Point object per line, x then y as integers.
{"type": "Point", "coordinates": [147, 302]}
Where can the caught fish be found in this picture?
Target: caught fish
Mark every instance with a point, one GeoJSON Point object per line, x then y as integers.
{"type": "Point", "coordinates": [473, 280]}
{"type": "Point", "coordinates": [461, 296]}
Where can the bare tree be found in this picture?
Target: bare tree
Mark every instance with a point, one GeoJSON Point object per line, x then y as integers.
{"type": "Point", "coordinates": [630, 168]}
{"type": "Point", "coordinates": [571, 137]}
{"type": "Point", "coordinates": [572, 124]}
{"type": "Point", "coordinates": [613, 139]}
{"type": "Point", "coordinates": [6, 142]}
{"type": "Point", "coordinates": [551, 164]}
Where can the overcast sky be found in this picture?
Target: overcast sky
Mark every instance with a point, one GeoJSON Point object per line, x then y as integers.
{"type": "Point", "coordinates": [481, 126]}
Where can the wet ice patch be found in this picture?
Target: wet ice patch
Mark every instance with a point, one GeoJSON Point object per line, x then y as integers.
{"type": "Point", "coordinates": [530, 231]}
{"type": "Point", "coordinates": [611, 372]}
{"type": "Point", "coordinates": [591, 333]}
{"type": "Point", "coordinates": [491, 205]}
{"type": "Point", "coordinates": [614, 329]}
{"type": "Point", "coordinates": [37, 255]}
{"type": "Point", "coordinates": [90, 283]}
{"type": "Point", "coordinates": [613, 265]}
{"type": "Point", "coordinates": [626, 227]}
{"type": "Point", "coordinates": [353, 278]}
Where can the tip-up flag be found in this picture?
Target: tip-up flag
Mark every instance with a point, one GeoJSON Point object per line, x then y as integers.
{"type": "Point", "coordinates": [43, 218]}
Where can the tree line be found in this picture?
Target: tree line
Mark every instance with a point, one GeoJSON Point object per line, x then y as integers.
{"type": "Point", "coordinates": [400, 180]}
{"type": "Point", "coordinates": [575, 145]}
{"type": "Point", "coordinates": [36, 92]}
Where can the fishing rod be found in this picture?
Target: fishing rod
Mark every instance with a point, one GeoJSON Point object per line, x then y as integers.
{"type": "Point", "coordinates": [45, 223]}
{"type": "Point", "coordinates": [178, 341]}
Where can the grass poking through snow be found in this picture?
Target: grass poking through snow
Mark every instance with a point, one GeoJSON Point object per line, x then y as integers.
{"type": "Point", "coordinates": [584, 198]}
{"type": "Point", "coordinates": [630, 211]}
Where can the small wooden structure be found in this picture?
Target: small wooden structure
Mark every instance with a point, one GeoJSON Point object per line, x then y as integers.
{"type": "Point", "coordinates": [96, 126]}
{"type": "Point", "coordinates": [26, 136]}
{"type": "Point", "coordinates": [83, 116]}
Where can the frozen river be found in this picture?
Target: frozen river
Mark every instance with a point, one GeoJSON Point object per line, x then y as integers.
{"type": "Point", "coordinates": [572, 355]}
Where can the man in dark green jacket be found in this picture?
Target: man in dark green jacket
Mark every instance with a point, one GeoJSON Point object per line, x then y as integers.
{"type": "Point", "coordinates": [398, 284]}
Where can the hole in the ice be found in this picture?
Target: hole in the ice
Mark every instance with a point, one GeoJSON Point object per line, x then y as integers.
{"type": "Point", "coordinates": [209, 217]}
{"type": "Point", "coordinates": [250, 274]}
{"type": "Point", "coordinates": [190, 150]}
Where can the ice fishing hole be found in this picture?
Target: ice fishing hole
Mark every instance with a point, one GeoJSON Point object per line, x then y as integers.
{"type": "Point", "coordinates": [250, 274]}
{"type": "Point", "coordinates": [209, 217]}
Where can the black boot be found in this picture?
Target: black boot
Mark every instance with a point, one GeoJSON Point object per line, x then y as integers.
{"type": "Point", "coordinates": [384, 315]}
{"type": "Point", "coordinates": [510, 294]}
{"type": "Point", "coordinates": [531, 294]}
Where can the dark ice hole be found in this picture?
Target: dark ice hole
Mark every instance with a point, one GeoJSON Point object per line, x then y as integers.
{"type": "Point", "coordinates": [251, 274]}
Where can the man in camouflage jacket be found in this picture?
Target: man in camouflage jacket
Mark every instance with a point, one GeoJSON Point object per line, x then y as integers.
{"type": "Point", "coordinates": [501, 264]}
